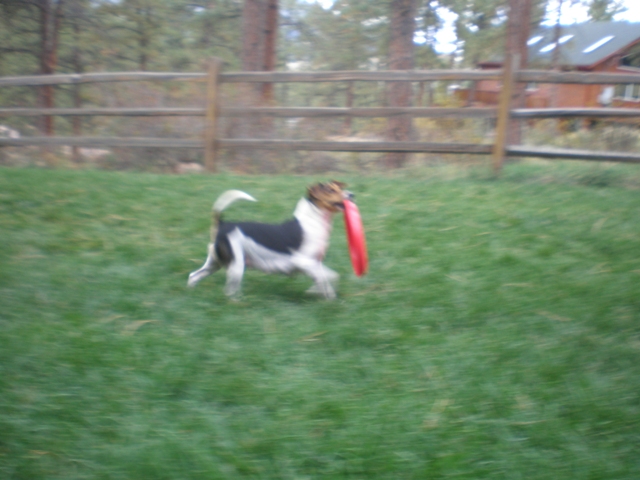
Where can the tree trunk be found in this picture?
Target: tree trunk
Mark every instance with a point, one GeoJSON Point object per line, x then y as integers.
{"type": "Point", "coordinates": [518, 28]}
{"type": "Point", "coordinates": [400, 58]}
{"type": "Point", "coordinates": [348, 121]}
{"type": "Point", "coordinates": [78, 68]}
{"type": "Point", "coordinates": [50, 18]}
{"type": "Point", "coordinates": [259, 34]}
{"type": "Point", "coordinates": [144, 36]}
{"type": "Point", "coordinates": [555, 59]}
{"type": "Point", "coordinates": [253, 21]}
{"type": "Point", "coordinates": [270, 40]}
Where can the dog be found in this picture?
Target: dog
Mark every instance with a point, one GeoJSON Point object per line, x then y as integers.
{"type": "Point", "coordinates": [297, 245]}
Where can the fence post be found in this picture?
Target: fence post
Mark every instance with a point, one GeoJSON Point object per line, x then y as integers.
{"type": "Point", "coordinates": [211, 123]}
{"type": "Point", "coordinates": [511, 66]}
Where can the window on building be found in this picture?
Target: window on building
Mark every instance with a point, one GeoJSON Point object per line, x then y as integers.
{"type": "Point", "coordinates": [629, 92]}
{"type": "Point", "coordinates": [632, 58]}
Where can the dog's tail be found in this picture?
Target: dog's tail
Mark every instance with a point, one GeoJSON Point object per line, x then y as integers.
{"type": "Point", "coordinates": [223, 201]}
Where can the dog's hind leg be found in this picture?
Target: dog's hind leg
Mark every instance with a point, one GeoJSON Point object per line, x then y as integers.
{"type": "Point", "coordinates": [210, 266]}
{"type": "Point", "coordinates": [235, 270]}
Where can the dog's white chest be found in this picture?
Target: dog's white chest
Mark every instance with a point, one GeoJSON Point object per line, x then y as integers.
{"type": "Point", "coordinates": [316, 228]}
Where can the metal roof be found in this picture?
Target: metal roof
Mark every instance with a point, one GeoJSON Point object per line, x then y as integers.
{"type": "Point", "coordinates": [581, 45]}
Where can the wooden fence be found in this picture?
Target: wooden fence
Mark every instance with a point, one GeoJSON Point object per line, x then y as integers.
{"type": "Point", "coordinates": [214, 78]}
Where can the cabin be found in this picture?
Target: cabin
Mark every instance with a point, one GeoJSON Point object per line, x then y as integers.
{"type": "Point", "coordinates": [611, 47]}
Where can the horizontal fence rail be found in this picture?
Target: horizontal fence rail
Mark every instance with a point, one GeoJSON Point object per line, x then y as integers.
{"type": "Point", "coordinates": [87, 112]}
{"type": "Point", "coordinates": [211, 112]}
{"type": "Point", "coordinates": [575, 112]}
{"type": "Point", "coordinates": [323, 146]}
{"type": "Point", "coordinates": [539, 76]}
{"type": "Point", "coordinates": [321, 112]}
{"type": "Point", "coordinates": [572, 154]}
{"type": "Point", "coordinates": [80, 78]}
{"type": "Point", "coordinates": [584, 78]}
{"type": "Point", "coordinates": [102, 142]}
{"type": "Point", "coordinates": [357, 146]}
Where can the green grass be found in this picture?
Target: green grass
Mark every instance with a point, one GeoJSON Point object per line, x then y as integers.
{"type": "Point", "coordinates": [496, 336]}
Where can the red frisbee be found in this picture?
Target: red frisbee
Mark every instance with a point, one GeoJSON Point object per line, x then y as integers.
{"type": "Point", "coordinates": [355, 237]}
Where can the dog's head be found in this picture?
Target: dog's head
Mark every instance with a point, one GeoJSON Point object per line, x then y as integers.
{"type": "Point", "coordinates": [329, 196]}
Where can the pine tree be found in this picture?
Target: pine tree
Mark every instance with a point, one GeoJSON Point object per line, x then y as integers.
{"type": "Point", "coordinates": [402, 30]}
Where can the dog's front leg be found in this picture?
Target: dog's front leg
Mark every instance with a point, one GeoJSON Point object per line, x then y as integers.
{"type": "Point", "coordinates": [210, 266]}
{"type": "Point", "coordinates": [323, 277]}
{"type": "Point", "coordinates": [326, 282]}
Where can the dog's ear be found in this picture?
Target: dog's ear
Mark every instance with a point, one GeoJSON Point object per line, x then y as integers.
{"type": "Point", "coordinates": [339, 184]}
{"type": "Point", "coordinates": [312, 191]}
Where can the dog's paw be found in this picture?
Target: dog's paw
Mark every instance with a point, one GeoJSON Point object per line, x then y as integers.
{"type": "Point", "coordinates": [232, 291]}
{"type": "Point", "coordinates": [323, 290]}
{"type": "Point", "coordinates": [193, 280]}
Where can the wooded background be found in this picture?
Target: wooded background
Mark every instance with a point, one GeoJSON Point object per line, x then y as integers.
{"type": "Point", "coordinates": [78, 36]}
{"type": "Point", "coordinates": [48, 36]}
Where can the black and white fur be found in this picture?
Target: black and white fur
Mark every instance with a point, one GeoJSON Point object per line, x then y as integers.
{"type": "Point", "coordinates": [298, 245]}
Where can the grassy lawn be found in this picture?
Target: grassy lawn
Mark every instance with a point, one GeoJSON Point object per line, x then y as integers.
{"type": "Point", "coordinates": [496, 336]}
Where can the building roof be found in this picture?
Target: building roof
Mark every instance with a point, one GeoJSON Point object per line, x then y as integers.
{"type": "Point", "coordinates": [581, 45]}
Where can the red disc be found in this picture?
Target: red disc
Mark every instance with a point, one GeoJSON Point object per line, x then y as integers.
{"type": "Point", "coordinates": [355, 237]}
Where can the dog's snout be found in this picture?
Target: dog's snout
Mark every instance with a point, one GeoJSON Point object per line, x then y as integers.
{"type": "Point", "coordinates": [349, 195]}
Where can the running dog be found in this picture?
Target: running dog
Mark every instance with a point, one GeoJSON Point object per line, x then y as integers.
{"type": "Point", "coordinates": [298, 245]}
